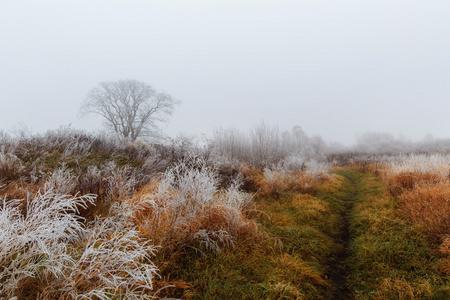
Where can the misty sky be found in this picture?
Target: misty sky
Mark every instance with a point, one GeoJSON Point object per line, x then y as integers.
{"type": "Point", "coordinates": [336, 68]}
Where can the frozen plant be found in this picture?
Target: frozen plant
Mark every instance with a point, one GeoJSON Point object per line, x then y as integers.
{"type": "Point", "coordinates": [195, 189]}
{"type": "Point", "coordinates": [9, 163]}
{"type": "Point", "coordinates": [35, 244]}
{"type": "Point", "coordinates": [213, 239]}
{"type": "Point", "coordinates": [278, 177]}
{"type": "Point", "coordinates": [114, 262]}
{"type": "Point", "coordinates": [233, 197]}
{"type": "Point", "coordinates": [292, 163]}
{"type": "Point", "coordinates": [315, 168]}
{"type": "Point", "coordinates": [46, 242]}
{"type": "Point", "coordinates": [121, 181]}
{"type": "Point", "coordinates": [435, 163]}
{"type": "Point", "coordinates": [189, 206]}
{"type": "Point", "coordinates": [61, 181]}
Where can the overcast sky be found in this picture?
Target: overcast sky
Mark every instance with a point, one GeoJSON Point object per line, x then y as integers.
{"type": "Point", "coordinates": [335, 68]}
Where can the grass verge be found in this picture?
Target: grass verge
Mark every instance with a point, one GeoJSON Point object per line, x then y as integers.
{"type": "Point", "coordinates": [391, 258]}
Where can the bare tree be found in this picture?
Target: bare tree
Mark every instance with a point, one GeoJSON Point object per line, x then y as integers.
{"type": "Point", "coordinates": [265, 144]}
{"type": "Point", "coordinates": [131, 108]}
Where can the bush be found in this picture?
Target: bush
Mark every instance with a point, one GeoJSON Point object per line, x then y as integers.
{"type": "Point", "coordinates": [10, 165]}
{"type": "Point", "coordinates": [35, 245]}
{"type": "Point", "coordinates": [46, 250]}
{"type": "Point", "coordinates": [186, 208]}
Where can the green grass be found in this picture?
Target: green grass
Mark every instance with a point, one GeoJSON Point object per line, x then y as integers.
{"type": "Point", "coordinates": [388, 257]}
{"type": "Point", "coordinates": [288, 262]}
{"type": "Point", "coordinates": [391, 258]}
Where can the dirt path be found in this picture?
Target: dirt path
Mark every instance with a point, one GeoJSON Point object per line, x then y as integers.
{"type": "Point", "coordinates": [337, 265]}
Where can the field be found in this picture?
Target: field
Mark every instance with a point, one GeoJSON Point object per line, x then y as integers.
{"type": "Point", "coordinates": [91, 216]}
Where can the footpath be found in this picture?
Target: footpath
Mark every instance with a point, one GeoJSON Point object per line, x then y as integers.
{"type": "Point", "coordinates": [382, 254]}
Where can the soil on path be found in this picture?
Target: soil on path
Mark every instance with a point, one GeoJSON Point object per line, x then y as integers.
{"type": "Point", "coordinates": [337, 265]}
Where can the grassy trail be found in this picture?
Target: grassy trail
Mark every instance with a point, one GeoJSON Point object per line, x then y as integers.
{"type": "Point", "coordinates": [346, 240]}
{"type": "Point", "coordinates": [383, 256]}
{"type": "Point", "coordinates": [337, 264]}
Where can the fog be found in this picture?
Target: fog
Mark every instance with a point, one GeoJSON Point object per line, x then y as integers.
{"type": "Point", "coordinates": [336, 68]}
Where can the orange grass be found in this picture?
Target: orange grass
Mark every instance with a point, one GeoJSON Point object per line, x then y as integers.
{"type": "Point", "coordinates": [424, 197]}
{"type": "Point", "coordinates": [428, 205]}
{"type": "Point", "coordinates": [161, 229]}
{"type": "Point", "coordinates": [398, 182]}
{"type": "Point", "coordinates": [444, 250]}
{"type": "Point", "coordinates": [256, 180]}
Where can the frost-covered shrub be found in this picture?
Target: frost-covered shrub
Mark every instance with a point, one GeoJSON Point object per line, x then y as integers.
{"type": "Point", "coordinates": [122, 182]}
{"type": "Point", "coordinates": [114, 262]}
{"type": "Point", "coordinates": [296, 163]}
{"type": "Point", "coordinates": [10, 165]}
{"type": "Point", "coordinates": [77, 147]}
{"type": "Point", "coordinates": [109, 182]}
{"type": "Point", "coordinates": [194, 187]}
{"type": "Point", "coordinates": [265, 146]}
{"type": "Point", "coordinates": [293, 163]}
{"type": "Point", "coordinates": [315, 168]}
{"type": "Point", "coordinates": [186, 207]}
{"type": "Point", "coordinates": [280, 178]}
{"type": "Point", "coordinates": [47, 251]}
{"type": "Point", "coordinates": [61, 181]}
{"type": "Point", "coordinates": [35, 244]}
{"type": "Point", "coordinates": [438, 164]}
{"type": "Point", "coordinates": [405, 171]}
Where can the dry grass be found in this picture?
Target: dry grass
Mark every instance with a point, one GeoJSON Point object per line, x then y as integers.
{"type": "Point", "coordinates": [444, 249]}
{"type": "Point", "coordinates": [10, 165]}
{"type": "Point", "coordinates": [48, 252]}
{"type": "Point", "coordinates": [398, 182]}
{"type": "Point", "coordinates": [186, 209]}
{"type": "Point", "coordinates": [186, 213]}
{"type": "Point", "coordinates": [401, 289]}
{"type": "Point", "coordinates": [286, 262]}
{"type": "Point", "coordinates": [445, 245]}
{"type": "Point", "coordinates": [421, 186]}
{"type": "Point", "coordinates": [272, 183]}
{"type": "Point", "coordinates": [292, 268]}
{"type": "Point", "coordinates": [428, 204]}
{"type": "Point", "coordinates": [391, 257]}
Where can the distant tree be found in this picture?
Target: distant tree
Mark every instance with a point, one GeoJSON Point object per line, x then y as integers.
{"type": "Point", "coordinates": [265, 144]}
{"type": "Point", "coordinates": [131, 108]}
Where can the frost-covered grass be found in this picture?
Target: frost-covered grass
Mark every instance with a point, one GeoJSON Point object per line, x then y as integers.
{"type": "Point", "coordinates": [35, 244]}
{"type": "Point", "coordinates": [438, 164]}
{"type": "Point", "coordinates": [265, 146]}
{"type": "Point", "coordinates": [90, 216]}
{"type": "Point", "coordinates": [186, 208]}
{"type": "Point", "coordinates": [285, 260]}
{"type": "Point", "coordinates": [10, 165]}
{"type": "Point", "coordinates": [46, 251]}
{"type": "Point", "coordinates": [270, 182]}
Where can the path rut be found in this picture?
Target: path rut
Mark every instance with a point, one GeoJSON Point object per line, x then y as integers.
{"type": "Point", "coordinates": [337, 266]}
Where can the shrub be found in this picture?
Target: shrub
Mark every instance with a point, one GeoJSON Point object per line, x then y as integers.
{"type": "Point", "coordinates": [265, 146]}
{"type": "Point", "coordinates": [47, 252]}
{"type": "Point", "coordinates": [273, 182]}
{"type": "Point", "coordinates": [10, 165]}
{"type": "Point", "coordinates": [113, 262]}
{"type": "Point", "coordinates": [35, 245]}
{"type": "Point", "coordinates": [185, 208]}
